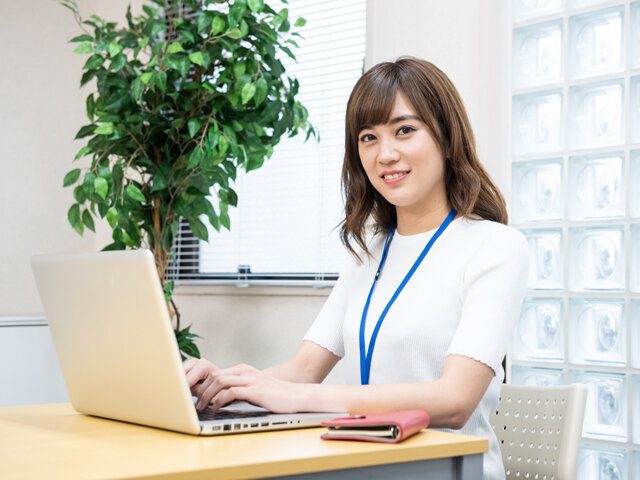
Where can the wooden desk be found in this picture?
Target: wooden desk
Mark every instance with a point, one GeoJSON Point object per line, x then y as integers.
{"type": "Point", "coordinates": [55, 442]}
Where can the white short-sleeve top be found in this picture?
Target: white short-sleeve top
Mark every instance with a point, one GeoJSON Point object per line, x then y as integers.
{"type": "Point", "coordinates": [464, 299]}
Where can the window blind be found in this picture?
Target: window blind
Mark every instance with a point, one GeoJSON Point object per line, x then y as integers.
{"type": "Point", "coordinates": [284, 228]}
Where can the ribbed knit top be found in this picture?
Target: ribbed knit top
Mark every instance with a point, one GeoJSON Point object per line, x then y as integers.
{"type": "Point", "coordinates": [464, 299]}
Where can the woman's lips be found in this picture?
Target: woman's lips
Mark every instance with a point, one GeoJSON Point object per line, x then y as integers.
{"type": "Point", "coordinates": [394, 177]}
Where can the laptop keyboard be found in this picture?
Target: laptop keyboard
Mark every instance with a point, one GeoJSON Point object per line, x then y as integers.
{"type": "Point", "coordinates": [210, 414]}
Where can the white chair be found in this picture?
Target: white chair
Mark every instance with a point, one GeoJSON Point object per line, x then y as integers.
{"type": "Point", "coordinates": [539, 430]}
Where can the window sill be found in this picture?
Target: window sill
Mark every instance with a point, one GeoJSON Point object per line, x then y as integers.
{"type": "Point", "coordinates": [254, 289]}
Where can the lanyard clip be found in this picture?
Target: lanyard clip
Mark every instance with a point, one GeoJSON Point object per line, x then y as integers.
{"type": "Point", "coordinates": [377, 274]}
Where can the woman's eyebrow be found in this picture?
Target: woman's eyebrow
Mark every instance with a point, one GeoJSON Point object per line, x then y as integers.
{"type": "Point", "coordinates": [403, 118]}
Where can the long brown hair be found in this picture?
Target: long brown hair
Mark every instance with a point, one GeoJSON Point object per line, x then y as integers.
{"type": "Point", "coordinates": [438, 104]}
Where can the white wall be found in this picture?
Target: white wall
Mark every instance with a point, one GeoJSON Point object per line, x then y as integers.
{"type": "Point", "coordinates": [42, 108]}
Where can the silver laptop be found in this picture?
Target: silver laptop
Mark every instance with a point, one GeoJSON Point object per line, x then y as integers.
{"type": "Point", "coordinates": [117, 350]}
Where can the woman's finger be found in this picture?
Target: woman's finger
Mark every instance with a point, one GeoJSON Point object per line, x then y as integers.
{"type": "Point", "coordinates": [217, 384]}
{"type": "Point", "coordinates": [199, 371]}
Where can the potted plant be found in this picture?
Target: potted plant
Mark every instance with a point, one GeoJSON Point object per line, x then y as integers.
{"type": "Point", "coordinates": [185, 94]}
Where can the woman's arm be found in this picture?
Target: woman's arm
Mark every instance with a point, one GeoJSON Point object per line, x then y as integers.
{"type": "Point", "coordinates": [310, 364]}
{"type": "Point", "coordinates": [450, 400]}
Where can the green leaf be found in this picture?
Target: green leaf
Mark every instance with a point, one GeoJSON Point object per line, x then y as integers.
{"type": "Point", "coordinates": [128, 241]}
{"type": "Point", "coordinates": [236, 11]}
{"type": "Point", "coordinates": [82, 38]}
{"type": "Point", "coordinates": [244, 28]}
{"type": "Point", "coordinates": [194, 125]}
{"type": "Point", "coordinates": [137, 89]}
{"type": "Point", "coordinates": [248, 91]}
{"type": "Point", "coordinates": [203, 21]}
{"type": "Point", "coordinates": [101, 186]}
{"type": "Point", "coordinates": [79, 194]}
{"type": "Point", "coordinates": [281, 17]}
{"type": "Point", "coordinates": [181, 64]}
{"type": "Point", "coordinates": [218, 25]}
{"type": "Point", "coordinates": [300, 22]}
{"type": "Point", "coordinates": [239, 68]}
{"type": "Point", "coordinates": [94, 61]}
{"type": "Point", "coordinates": [82, 152]}
{"type": "Point", "coordinates": [74, 218]}
{"type": "Point", "coordinates": [196, 58]}
{"type": "Point", "coordinates": [159, 182]}
{"type": "Point", "coordinates": [175, 47]}
{"type": "Point", "coordinates": [87, 219]}
{"type": "Point", "coordinates": [134, 193]}
{"type": "Point", "coordinates": [212, 139]}
{"type": "Point", "coordinates": [256, 6]}
{"type": "Point", "coordinates": [106, 128]}
{"type": "Point", "coordinates": [232, 197]}
{"type": "Point", "coordinates": [225, 220]}
{"type": "Point", "coordinates": [84, 48]}
{"type": "Point", "coordinates": [112, 216]}
{"type": "Point", "coordinates": [91, 106]}
{"type": "Point", "coordinates": [118, 62]}
{"type": "Point", "coordinates": [161, 80]}
{"type": "Point", "coordinates": [71, 177]}
{"type": "Point", "coordinates": [199, 229]}
{"type": "Point", "coordinates": [87, 183]}
{"type": "Point", "coordinates": [146, 77]}
{"type": "Point", "coordinates": [195, 158]}
{"type": "Point", "coordinates": [186, 343]}
{"type": "Point", "coordinates": [288, 51]}
{"type": "Point", "coordinates": [143, 42]}
{"type": "Point", "coordinates": [235, 33]}
{"type": "Point", "coordinates": [85, 131]}
{"type": "Point", "coordinates": [114, 49]}
{"type": "Point", "coordinates": [223, 144]}
{"type": "Point", "coordinates": [168, 290]}
{"type": "Point", "coordinates": [261, 91]}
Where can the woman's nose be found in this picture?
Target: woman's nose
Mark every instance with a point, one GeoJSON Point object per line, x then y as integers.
{"type": "Point", "coordinates": [388, 152]}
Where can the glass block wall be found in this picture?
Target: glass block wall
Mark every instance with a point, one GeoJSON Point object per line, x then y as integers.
{"type": "Point", "coordinates": [576, 196]}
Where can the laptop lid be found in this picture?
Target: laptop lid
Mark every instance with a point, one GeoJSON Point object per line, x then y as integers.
{"type": "Point", "coordinates": [114, 338]}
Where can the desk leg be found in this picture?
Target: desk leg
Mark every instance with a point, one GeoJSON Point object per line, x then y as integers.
{"type": "Point", "coordinates": [468, 467]}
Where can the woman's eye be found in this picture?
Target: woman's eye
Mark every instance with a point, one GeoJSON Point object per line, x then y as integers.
{"type": "Point", "coordinates": [405, 130]}
{"type": "Point", "coordinates": [367, 137]}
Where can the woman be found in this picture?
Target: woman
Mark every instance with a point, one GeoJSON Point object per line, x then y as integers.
{"type": "Point", "coordinates": [423, 314]}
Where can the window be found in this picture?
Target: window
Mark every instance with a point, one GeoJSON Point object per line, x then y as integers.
{"type": "Point", "coordinates": [284, 228]}
{"type": "Point", "coordinates": [575, 187]}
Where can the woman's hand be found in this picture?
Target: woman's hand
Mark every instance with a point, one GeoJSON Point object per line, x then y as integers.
{"type": "Point", "coordinates": [242, 382]}
{"type": "Point", "coordinates": [197, 371]}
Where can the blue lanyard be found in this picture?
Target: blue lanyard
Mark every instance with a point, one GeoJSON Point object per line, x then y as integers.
{"type": "Point", "coordinates": [365, 359]}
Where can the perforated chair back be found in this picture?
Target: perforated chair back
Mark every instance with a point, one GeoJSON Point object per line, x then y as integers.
{"type": "Point", "coordinates": [539, 430]}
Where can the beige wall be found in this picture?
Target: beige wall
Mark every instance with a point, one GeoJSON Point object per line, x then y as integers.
{"type": "Point", "coordinates": [42, 108]}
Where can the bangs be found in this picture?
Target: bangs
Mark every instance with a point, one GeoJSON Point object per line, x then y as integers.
{"type": "Point", "coordinates": [373, 100]}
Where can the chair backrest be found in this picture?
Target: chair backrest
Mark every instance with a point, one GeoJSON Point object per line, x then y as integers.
{"type": "Point", "coordinates": [539, 430]}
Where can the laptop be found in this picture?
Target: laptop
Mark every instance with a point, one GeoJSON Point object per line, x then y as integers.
{"type": "Point", "coordinates": [117, 349]}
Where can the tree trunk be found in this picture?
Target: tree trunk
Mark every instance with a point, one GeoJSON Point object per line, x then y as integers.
{"type": "Point", "coordinates": [160, 255]}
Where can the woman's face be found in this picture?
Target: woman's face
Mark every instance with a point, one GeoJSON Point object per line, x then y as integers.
{"type": "Point", "coordinates": [403, 161]}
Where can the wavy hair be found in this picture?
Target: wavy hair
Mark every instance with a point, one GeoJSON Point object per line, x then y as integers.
{"type": "Point", "coordinates": [436, 101]}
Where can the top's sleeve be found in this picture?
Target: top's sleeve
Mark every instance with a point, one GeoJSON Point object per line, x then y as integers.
{"type": "Point", "coordinates": [491, 295]}
{"type": "Point", "coordinates": [326, 330]}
